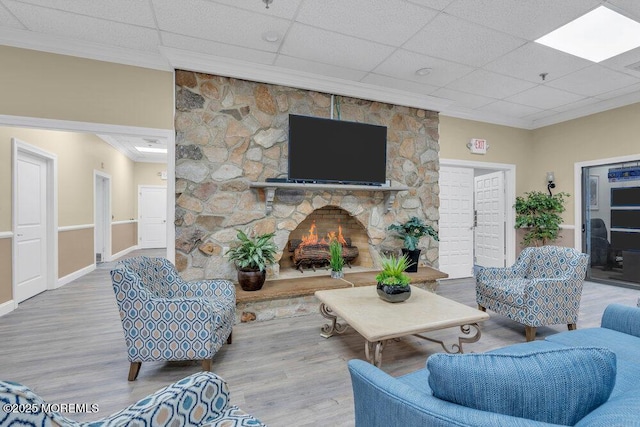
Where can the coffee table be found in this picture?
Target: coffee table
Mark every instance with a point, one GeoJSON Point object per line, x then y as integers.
{"type": "Point", "coordinates": [379, 321]}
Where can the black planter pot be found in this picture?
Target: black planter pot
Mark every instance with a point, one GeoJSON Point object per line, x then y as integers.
{"type": "Point", "coordinates": [394, 293]}
{"type": "Point", "coordinates": [414, 257]}
{"type": "Point", "coordinates": [251, 280]}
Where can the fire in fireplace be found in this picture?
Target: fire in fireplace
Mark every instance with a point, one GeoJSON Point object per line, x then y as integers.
{"type": "Point", "coordinates": [312, 251]}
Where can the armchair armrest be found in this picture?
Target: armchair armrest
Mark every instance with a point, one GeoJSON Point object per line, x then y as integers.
{"type": "Point", "coordinates": [622, 318]}
{"type": "Point", "coordinates": [382, 400]}
{"type": "Point", "coordinates": [217, 288]}
{"type": "Point", "coordinates": [188, 402]}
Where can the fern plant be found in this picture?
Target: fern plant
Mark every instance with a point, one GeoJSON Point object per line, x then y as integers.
{"type": "Point", "coordinates": [539, 213]}
{"type": "Point", "coordinates": [392, 273]}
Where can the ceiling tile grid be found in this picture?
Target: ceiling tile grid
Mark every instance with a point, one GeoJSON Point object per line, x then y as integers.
{"type": "Point", "coordinates": [483, 60]}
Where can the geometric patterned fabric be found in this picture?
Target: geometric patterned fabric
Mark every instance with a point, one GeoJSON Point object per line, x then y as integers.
{"type": "Point", "coordinates": [543, 287]}
{"type": "Point", "coordinates": [201, 399]}
{"type": "Point", "coordinates": [166, 318]}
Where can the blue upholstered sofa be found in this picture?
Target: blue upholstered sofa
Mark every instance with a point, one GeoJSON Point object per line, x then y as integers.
{"type": "Point", "coordinates": [586, 377]}
{"type": "Point", "coordinates": [201, 399]}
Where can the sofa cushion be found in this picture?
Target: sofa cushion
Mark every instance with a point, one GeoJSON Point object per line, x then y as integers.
{"type": "Point", "coordinates": [558, 386]}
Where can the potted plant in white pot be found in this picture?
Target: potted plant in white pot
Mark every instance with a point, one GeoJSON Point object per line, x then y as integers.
{"type": "Point", "coordinates": [410, 232]}
{"type": "Point", "coordinates": [336, 261]}
{"type": "Point", "coordinates": [393, 282]}
{"type": "Point", "coordinates": [251, 257]}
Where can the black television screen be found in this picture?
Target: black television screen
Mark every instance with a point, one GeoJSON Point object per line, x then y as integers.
{"type": "Point", "coordinates": [336, 151]}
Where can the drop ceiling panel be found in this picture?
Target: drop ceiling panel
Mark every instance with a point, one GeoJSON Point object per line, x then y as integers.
{"type": "Point", "coordinates": [526, 19]}
{"type": "Point", "coordinates": [217, 22]}
{"type": "Point", "coordinates": [433, 4]}
{"type": "Point", "coordinates": [544, 97]}
{"type": "Point", "coordinates": [529, 61]}
{"type": "Point", "coordinates": [331, 48]}
{"type": "Point", "coordinates": [395, 83]}
{"type": "Point", "coordinates": [492, 85]}
{"type": "Point", "coordinates": [218, 49]}
{"type": "Point", "coordinates": [282, 9]}
{"type": "Point", "coordinates": [508, 109]}
{"type": "Point", "coordinates": [461, 41]}
{"type": "Point", "coordinates": [462, 99]}
{"type": "Point", "coordinates": [7, 19]}
{"type": "Point", "coordinates": [390, 22]}
{"type": "Point", "coordinates": [403, 64]}
{"type": "Point", "coordinates": [593, 80]}
{"type": "Point", "coordinates": [317, 67]}
{"type": "Point", "coordinates": [137, 12]}
{"type": "Point", "coordinates": [86, 28]}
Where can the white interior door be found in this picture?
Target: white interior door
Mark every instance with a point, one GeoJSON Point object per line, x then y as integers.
{"type": "Point", "coordinates": [456, 221]}
{"type": "Point", "coordinates": [30, 226]}
{"type": "Point", "coordinates": [152, 217]}
{"type": "Point", "coordinates": [490, 223]}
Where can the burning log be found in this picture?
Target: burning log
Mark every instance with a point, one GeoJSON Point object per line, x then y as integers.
{"type": "Point", "coordinates": [312, 252]}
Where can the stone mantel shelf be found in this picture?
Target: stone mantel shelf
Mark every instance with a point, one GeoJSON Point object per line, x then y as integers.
{"type": "Point", "coordinates": [271, 187]}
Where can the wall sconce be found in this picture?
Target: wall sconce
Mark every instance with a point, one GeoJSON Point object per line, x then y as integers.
{"type": "Point", "coordinates": [550, 182]}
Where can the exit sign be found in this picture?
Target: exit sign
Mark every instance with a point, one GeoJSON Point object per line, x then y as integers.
{"type": "Point", "coordinates": [478, 146]}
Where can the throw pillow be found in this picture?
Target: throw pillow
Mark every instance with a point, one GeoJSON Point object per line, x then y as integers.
{"type": "Point", "coordinates": [558, 386]}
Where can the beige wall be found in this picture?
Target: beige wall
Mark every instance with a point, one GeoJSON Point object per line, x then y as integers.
{"type": "Point", "coordinates": [5, 270]}
{"type": "Point", "coordinates": [46, 85]}
{"type": "Point", "coordinates": [506, 145]}
{"type": "Point", "coordinates": [75, 250]}
{"type": "Point", "coordinates": [148, 174]}
{"type": "Point", "coordinates": [123, 236]}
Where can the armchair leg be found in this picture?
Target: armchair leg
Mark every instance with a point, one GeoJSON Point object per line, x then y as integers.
{"type": "Point", "coordinates": [481, 308]}
{"type": "Point", "coordinates": [230, 338]}
{"type": "Point", "coordinates": [530, 333]}
{"type": "Point", "coordinates": [134, 369]}
{"type": "Point", "coordinates": [206, 365]}
{"type": "Point", "coordinates": [571, 326]}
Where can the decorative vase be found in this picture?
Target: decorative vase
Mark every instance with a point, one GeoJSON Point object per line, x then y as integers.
{"type": "Point", "coordinates": [392, 293]}
{"type": "Point", "coordinates": [337, 274]}
{"type": "Point", "coordinates": [413, 257]}
{"type": "Point", "coordinates": [251, 280]}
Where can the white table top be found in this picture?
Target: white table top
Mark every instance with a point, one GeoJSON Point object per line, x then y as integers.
{"type": "Point", "coordinates": [378, 320]}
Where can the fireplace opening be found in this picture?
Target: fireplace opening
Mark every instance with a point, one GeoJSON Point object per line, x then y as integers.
{"type": "Point", "coordinates": [308, 246]}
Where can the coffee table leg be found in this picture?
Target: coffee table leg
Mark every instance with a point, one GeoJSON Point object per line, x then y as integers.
{"type": "Point", "coordinates": [373, 352]}
{"type": "Point", "coordinates": [457, 348]}
{"type": "Point", "coordinates": [333, 328]}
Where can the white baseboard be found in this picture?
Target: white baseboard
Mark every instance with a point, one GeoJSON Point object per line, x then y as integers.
{"type": "Point", "coordinates": [124, 252]}
{"type": "Point", "coordinates": [7, 307]}
{"type": "Point", "coordinates": [75, 275]}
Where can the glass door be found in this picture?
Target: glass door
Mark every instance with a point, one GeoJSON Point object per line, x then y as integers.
{"type": "Point", "coordinates": [611, 222]}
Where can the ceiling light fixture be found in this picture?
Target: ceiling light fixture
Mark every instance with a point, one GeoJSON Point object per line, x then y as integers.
{"type": "Point", "coordinates": [152, 150]}
{"type": "Point", "coordinates": [267, 2]}
{"type": "Point", "coordinates": [596, 36]}
{"type": "Point", "coordinates": [423, 71]}
{"type": "Point", "coordinates": [271, 36]}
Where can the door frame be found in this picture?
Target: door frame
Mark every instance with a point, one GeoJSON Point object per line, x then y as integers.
{"type": "Point", "coordinates": [577, 190]}
{"type": "Point", "coordinates": [99, 175]}
{"type": "Point", "coordinates": [510, 199]}
{"type": "Point", "coordinates": [51, 160]}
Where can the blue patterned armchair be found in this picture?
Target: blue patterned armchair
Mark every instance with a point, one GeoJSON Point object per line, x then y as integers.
{"type": "Point", "coordinates": [166, 318]}
{"type": "Point", "coordinates": [201, 399]}
{"type": "Point", "coordinates": [543, 287]}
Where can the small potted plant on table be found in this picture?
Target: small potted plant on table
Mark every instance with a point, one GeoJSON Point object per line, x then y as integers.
{"type": "Point", "coordinates": [251, 257]}
{"type": "Point", "coordinates": [393, 282]}
{"type": "Point", "coordinates": [336, 261]}
{"type": "Point", "coordinates": [411, 232]}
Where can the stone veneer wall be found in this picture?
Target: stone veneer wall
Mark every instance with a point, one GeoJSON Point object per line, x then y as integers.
{"type": "Point", "coordinates": [231, 132]}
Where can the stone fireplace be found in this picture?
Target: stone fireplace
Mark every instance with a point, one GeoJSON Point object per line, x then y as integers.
{"type": "Point", "coordinates": [231, 134]}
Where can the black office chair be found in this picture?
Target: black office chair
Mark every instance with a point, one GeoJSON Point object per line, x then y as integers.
{"type": "Point", "coordinates": [601, 252]}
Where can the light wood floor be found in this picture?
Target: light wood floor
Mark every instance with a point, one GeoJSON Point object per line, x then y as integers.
{"type": "Point", "coordinates": [68, 346]}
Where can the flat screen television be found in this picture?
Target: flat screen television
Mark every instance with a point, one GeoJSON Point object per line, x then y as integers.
{"type": "Point", "coordinates": [336, 151]}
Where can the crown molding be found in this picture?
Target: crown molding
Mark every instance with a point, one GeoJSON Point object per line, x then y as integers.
{"type": "Point", "coordinates": [82, 49]}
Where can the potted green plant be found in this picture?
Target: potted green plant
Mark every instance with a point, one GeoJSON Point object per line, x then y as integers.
{"type": "Point", "coordinates": [336, 261]}
{"type": "Point", "coordinates": [251, 257]}
{"type": "Point", "coordinates": [393, 282]}
{"type": "Point", "coordinates": [411, 232]}
{"type": "Point", "coordinates": [539, 213]}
